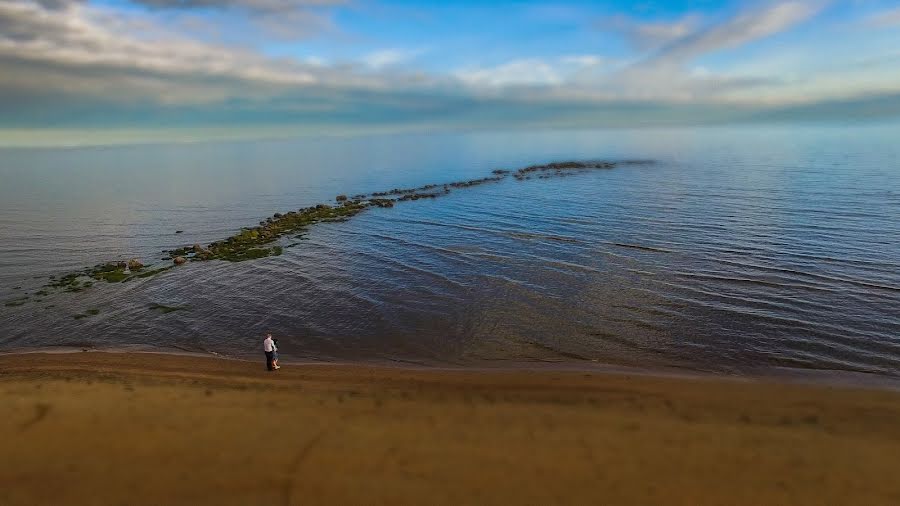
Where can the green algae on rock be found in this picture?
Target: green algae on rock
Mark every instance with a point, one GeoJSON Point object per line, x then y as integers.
{"type": "Point", "coordinates": [253, 243]}
{"type": "Point", "coordinates": [110, 272]}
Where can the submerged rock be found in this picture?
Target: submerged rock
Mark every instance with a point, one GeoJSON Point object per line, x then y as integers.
{"type": "Point", "coordinates": [417, 196]}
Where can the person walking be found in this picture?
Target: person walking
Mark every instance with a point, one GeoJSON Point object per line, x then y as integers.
{"type": "Point", "coordinates": [269, 349]}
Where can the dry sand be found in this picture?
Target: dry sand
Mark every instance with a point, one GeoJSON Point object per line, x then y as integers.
{"type": "Point", "coordinates": [103, 428]}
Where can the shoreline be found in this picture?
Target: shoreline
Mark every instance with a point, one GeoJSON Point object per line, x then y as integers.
{"type": "Point", "coordinates": [796, 375]}
{"type": "Point", "coordinates": [150, 428]}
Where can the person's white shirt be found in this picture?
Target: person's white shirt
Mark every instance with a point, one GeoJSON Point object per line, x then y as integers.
{"type": "Point", "coordinates": [268, 345]}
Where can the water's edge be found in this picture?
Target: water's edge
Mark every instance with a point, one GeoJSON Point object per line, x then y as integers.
{"type": "Point", "coordinates": [817, 377]}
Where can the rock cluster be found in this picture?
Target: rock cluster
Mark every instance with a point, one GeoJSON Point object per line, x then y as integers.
{"type": "Point", "coordinates": [559, 169]}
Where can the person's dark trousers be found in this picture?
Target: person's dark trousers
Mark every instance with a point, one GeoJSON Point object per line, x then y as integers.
{"type": "Point", "coordinates": [269, 365]}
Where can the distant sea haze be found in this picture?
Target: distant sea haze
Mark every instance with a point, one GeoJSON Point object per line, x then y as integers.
{"type": "Point", "coordinates": [741, 249]}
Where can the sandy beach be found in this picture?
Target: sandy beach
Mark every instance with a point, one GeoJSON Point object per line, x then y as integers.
{"type": "Point", "coordinates": [141, 428]}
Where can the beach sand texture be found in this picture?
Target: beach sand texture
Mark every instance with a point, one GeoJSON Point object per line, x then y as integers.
{"type": "Point", "coordinates": [106, 428]}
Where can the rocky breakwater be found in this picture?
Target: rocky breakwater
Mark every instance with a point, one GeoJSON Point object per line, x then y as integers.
{"type": "Point", "coordinates": [261, 241]}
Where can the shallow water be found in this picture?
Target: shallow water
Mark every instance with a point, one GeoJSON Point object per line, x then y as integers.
{"type": "Point", "coordinates": [741, 248]}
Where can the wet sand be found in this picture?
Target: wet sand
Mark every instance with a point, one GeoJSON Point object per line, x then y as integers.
{"type": "Point", "coordinates": [139, 428]}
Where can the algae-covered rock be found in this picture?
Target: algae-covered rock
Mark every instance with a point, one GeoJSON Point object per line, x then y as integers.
{"type": "Point", "coordinates": [135, 265]}
{"type": "Point", "coordinates": [382, 202]}
{"type": "Point", "coordinates": [112, 272]}
{"type": "Point", "coordinates": [179, 260]}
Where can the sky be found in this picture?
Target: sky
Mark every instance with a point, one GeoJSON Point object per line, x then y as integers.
{"type": "Point", "coordinates": [133, 69]}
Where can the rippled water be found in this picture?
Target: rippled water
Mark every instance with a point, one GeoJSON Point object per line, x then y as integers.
{"type": "Point", "coordinates": [740, 248]}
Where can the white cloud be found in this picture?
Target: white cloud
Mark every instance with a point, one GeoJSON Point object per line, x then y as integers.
{"type": "Point", "coordinates": [531, 72]}
{"type": "Point", "coordinates": [525, 72]}
{"type": "Point", "coordinates": [77, 36]}
{"type": "Point", "coordinates": [390, 57]}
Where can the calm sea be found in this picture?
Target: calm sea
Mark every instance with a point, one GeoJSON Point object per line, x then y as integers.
{"type": "Point", "coordinates": [741, 248]}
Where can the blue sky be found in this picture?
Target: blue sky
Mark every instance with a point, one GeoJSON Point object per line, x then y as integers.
{"type": "Point", "coordinates": [148, 66]}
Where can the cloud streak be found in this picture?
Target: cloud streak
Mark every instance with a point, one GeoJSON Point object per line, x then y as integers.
{"type": "Point", "coordinates": [742, 29]}
{"type": "Point", "coordinates": [645, 36]}
{"type": "Point", "coordinates": [670, 71]}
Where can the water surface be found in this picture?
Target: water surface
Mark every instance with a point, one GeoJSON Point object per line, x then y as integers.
{"type": "Point", "coordinates": [741, 248]}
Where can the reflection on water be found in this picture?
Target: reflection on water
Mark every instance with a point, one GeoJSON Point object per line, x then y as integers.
{"type": "Point", "coordinates": [741, 248]}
